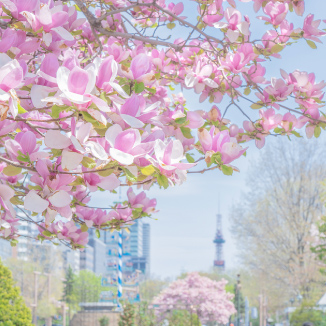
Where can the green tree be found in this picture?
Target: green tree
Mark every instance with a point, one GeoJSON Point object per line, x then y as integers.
{"type": "Point", "coordinates": [87, 287]}
{"type": "Point", "coordinates": [13, 311]}
{"type": "Point", "coordinates": [307, 312]}
{"type": "Point", "coordinates": [104, 321]}
{"type": "Point", "coordinates": [68, 289]}
{"type": "Point", "coordinates": [127, 318]}
{"type": "Point", "coordinates": [145, 316]}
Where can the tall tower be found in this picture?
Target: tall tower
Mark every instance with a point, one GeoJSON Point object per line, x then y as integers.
{"type": "Point", "coordinates": [219, 241]}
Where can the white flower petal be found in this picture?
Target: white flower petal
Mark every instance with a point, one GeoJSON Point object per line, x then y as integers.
{"type": "Point", "coordinates": [121, 157]}
{"type": "Point", "coordinates": [55, 139]}
{"type": "Point", "coordinates": [119, 89]}
{"type": "Point", "coordinates": [63, 33]}
{"type": "Point", "coordinates": [190, 80]}
{"type": "Point", "coordinates": [211, 83]}
{"type": "Point", "coordinates": [97, 150]}
{"type": "Point", "coordinates": [60, 199]}
{"type": "Point", "coordinates": [109, 183]}
{"type": "Point", "coordinates": [132, 121]}
{"type": "Point", "coordinates": [112, 133]}
{"type": "Point", "coordinates": [71, 160]}
{"type": "Point", "coordinates": [38, 93]}
{"type": "Point", "coordinates": [33, 202]}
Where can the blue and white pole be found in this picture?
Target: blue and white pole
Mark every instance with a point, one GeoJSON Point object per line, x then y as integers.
{"type": "Point", "coordinates": [120, 270]}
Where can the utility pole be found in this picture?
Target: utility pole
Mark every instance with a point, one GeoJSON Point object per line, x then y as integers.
{"type": "Point", "coordinates": [36, 274]}
{"type": "Point", "coordinates": [238, 287]}
{"type": "Point", "coordinates": [260, 310]}
{"type": "Point", "coordinates": [49, 319]}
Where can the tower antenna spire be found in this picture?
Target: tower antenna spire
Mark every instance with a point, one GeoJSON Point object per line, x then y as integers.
{"type": "Point", "coordinates": [219, 241]}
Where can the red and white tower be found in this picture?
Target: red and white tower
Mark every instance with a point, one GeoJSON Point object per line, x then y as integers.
{"type": "Point", "coordinates": [219, 241]}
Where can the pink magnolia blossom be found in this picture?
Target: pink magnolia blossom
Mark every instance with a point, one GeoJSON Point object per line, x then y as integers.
{"type": "Point", "coordinates": [220, 141]}
{"type": "Point", "coordinates": [277, 12]}
{"type": "Point", "coordinates": [141, 201]}
{"type": "Point", "coordinates": [126, 145]}
{"type": "Point", "coordinates": [235, 26]}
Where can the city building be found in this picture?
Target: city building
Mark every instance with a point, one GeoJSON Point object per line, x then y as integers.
{"type": "Point", "coordinates": [147, 245]}
{"type": "Point", "coordinates": [87, 259]}
{"type": "Point", "coordinates": [5, 249]}
{"type": "Point", "coordinates": [99, 257]}
{"type": "Point", "coordinates": [135, 249]}
{"type": "Point", "coordinates": [71, 258]}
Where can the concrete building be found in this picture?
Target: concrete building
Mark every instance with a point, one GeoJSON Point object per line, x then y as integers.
{"type": "Point", "coordinates": [99, 257]}
{"type": "Point", "coordinates": [71, 258]}
{"type": "Point", "coordinates": [147, 245]}
{"type": "Point", "coordinates": [5, 249]}
{"type": "Point", "coordinates": [87, 259]}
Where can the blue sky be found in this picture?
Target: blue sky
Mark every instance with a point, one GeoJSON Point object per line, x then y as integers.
{"type": "Point", "coordinates": [184, 228]}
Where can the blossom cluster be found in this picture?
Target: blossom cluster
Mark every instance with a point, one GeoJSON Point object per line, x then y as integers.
{"type": "Point", "coordinates": [86, 103]}
{"type": "Point", "coordinates": [197, 294]}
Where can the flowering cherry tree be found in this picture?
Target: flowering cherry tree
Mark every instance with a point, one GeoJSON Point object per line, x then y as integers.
{"type": "Point", "coordinates": [197, 294]}
{"type": "Point", "coordinates": [87, 102]}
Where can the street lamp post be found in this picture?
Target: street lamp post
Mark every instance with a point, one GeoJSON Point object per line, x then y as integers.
{"type": "Point", "coordinates": [238, 287]}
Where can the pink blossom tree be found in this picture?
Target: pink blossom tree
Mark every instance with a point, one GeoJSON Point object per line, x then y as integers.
{"type": "Point", "coordinates": [85, 107]}
{"type": "Point", "coordinates": [197, 294]}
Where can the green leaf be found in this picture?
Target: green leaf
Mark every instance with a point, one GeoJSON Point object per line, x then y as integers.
{"type": "Point", "coordinates": [23, 158]}
{"type": "Point", "coordinates": [189, 158]}
{"type": "Point", "coordinates": [84, 228]}
{"type": "Point", "coordinates": [16, 201]}
{"type": "Point", "coordinates": [256, 106]}
{"type": "Point", "coordinates": [163, 181]}
{"type": "Point", "coordinates": [47, 233]}
{"type": "Point", "coordinates": [76, 32]}
{"type": "Point", "coordinates": [227, 170]}
{"type": "Point", "coordinates": [55, 111]}
{"type": "Point", "coordinates": [151, 90]}
{"type": "Point", "coordinates": [98, 234]}
{"type": "Point", "coordinates": [247, 91]}
{"type": "Point", "coordinates": [139, 87]}
{"type": "Point", "coordinates": [88, 162]}
{"type": "Point", "coordinates": [180, 121]}
{"type": "Point", "coordinates": [148, 170]}
{"type": "Point", "coordinates": [311, 44]}
{"type": "Point", "coordinates": [277, 48]}
{"type": "Point", "coordinates": [77, 182]}
{"type": "Point", "coordinates": [21, 110]}
{"type": "Point", "coordinates": [13, 242]}
{"type": "Point", "coordinates": [186, 132]}
{"type": "Point", "coordinates": [296, 134]}
{"type": "Point", "coordinates": [317, 131]}
{"type": "Point", "coordinates": [56, 152]}
{"type": "Point", "coordinates": [129, 175]}
{"type": "Point", "coordinates": [216, 158]}
{"type": "Point", "coordinates": [170, 25]}
{"type": "Point", "coordinates": [11, 170]}
{"type": "Point", "coordinates": [88, 117]}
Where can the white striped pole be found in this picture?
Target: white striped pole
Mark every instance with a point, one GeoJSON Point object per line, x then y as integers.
{"type": "Point", "coordinates": [120, 270]}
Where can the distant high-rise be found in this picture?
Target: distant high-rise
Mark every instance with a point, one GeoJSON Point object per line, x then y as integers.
{"type": "Point", "coordinates": [147, 245]}
{"type": "Point", "coordinates": [99, 257]}
{"type": "Point", "coordinates": [219, 241]}
{"type": "Point", "coordinates": [5, 249]}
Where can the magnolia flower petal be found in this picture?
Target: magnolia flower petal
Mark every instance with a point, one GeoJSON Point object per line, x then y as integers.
{"type": "Point", "coordinates": [112, 133]}
{"type": "Point", "coordinates": [60, 199]}
{"type": "Point", "coordinates": [71, 160]}
{"type": "Point", "coordinates": [55, 139]}
{"type": "Point", "coordinates": [97, 150]}
{"type": "Point", "coordinates": [132, 121]}
{"type": "Point", "coordinates": [121, 157]}
{"type": "Point", "coordinates": [33, 202]}
{"type": "Point", "coordinates": [119, 89]}
{"type": "Point", "coordinates": [109, 183]}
